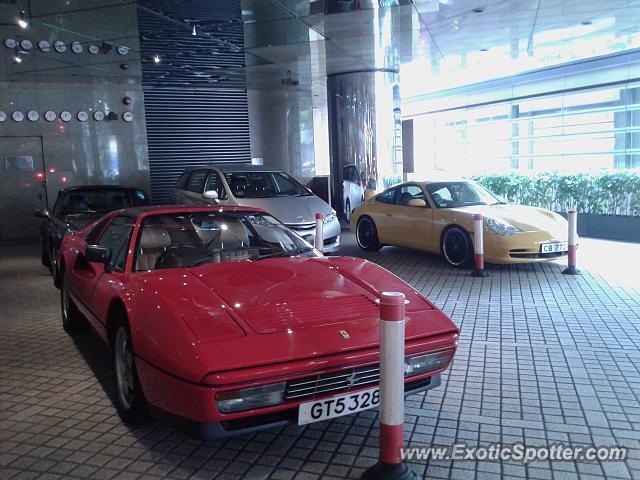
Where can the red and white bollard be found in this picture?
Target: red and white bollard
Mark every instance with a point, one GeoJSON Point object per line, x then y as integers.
{"type": "Point", "coordinates": [478, 247]}
{"type": "Point", "coordinates": [392, 323]}
{"type": "Point", "coordinates": [572, 217]}
{"type": "Point", "coordinates": [319, 233]}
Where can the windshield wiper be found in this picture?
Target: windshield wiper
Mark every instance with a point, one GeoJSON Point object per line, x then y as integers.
{"type": "Point", "coordinates": [285, 253]}
{"type": "Point", "coordinates": [497, 203]}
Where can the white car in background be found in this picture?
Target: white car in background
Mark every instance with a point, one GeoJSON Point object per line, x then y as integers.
{"type": "Point", "coordinates": [352, 190]}
{"type": "Point", "coordinates": [256, 186]}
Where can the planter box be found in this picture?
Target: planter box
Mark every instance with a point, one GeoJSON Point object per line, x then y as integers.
{"type": "Point", "coordinates": [611, 227]}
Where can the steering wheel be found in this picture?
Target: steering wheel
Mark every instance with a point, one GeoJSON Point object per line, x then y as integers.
{"type": "Point", "coordinates": [172, 257]}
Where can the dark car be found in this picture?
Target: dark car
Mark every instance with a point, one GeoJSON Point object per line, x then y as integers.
{"type": "Point", "coordinates": [77, 207]}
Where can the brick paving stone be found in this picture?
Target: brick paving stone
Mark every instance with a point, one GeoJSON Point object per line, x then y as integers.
{"type": "Point", "coordinates": [543, 358]}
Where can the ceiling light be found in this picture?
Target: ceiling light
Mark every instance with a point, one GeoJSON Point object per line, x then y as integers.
{"type": "Point", "coordinates": [22, 21]}
{"type": "Point", "coordinates": [478, 10]}
{"type": "Point", "coordinates": [17, 59]}
{"type": "Point", "coordinates": [156, 59]}
{"type": "Point", "coordinates": [194, 32]}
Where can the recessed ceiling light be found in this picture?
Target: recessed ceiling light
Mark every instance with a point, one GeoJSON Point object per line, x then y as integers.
{"type": "Point", "coordinates": [22, 21]}
{"type": "Point", "coordinates": [156, 59]}
{"type": "Point", "coordinates": [194, 32]}
{"type": "Point", "coordinates": [17, 59]}
{"type": "Point", "coordinates": [478, 10]}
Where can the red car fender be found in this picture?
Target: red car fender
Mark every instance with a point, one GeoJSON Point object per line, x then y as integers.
{"type": "Point", "coordinates": [157, 328]}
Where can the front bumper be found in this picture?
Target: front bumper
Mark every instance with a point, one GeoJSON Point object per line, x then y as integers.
{"type": "Point", "coordinates": [193, 407]}
{"type": "Point", "coordinates": [212, 430]}
{"type": "Point", "coordinates": [330, 233]}
{"type": "Point", "coordinates": [523, 247]}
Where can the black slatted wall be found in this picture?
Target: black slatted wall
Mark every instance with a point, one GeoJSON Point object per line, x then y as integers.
{"type": "Point", "coordinates": [195, 98]}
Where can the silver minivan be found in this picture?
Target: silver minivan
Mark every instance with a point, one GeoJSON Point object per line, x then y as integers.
{"type": "Point", "coordinates": [256, 186]}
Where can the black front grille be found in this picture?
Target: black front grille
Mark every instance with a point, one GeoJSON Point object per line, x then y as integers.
{"type": "Point", "coordinates": [516, 254]}
{"type": "Point", "coordinates": [334, 382]}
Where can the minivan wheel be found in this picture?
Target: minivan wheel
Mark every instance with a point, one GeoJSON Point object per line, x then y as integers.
{"type": "Point", "coordinates": [367, 235]}
{"type": "Point", "coordinates": [456, 247]}
{"type": "Point", "coordinates": [347, 211]}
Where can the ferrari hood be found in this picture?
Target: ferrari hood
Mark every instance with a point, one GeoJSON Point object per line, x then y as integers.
{"type": "Point", "coordinates": [526, 218]}
{"type": "Point", "coordinates": [274, 296]}
{"type": "Point", "coordinates": [295, 308]}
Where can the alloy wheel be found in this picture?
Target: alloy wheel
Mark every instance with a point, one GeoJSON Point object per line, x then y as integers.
{"type": "Point", "coordinates": [123, 356]}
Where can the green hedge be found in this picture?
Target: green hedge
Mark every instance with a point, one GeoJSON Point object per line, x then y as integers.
{"type": "Point", "coordinates": [609, 193]}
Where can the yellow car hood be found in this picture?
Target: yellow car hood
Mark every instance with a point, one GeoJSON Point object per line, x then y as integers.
{"type": "Point", "coordinates": [527, 219]}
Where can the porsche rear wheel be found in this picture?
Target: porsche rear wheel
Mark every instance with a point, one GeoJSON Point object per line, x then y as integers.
{"type": "Point", "coordinates": [367, 234]}
{"type": "Point", "coordinates": [130, 401]}
{"type": "Point", "coordinates": [72, 320]}
{"type": "Point", "coordinates": [456, 247]}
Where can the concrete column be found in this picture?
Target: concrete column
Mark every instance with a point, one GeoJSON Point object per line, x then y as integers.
{"type": "Point", "coordinates": [365, 129]}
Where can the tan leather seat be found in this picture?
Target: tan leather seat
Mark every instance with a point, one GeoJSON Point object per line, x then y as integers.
{"type": "Point", "coordinates": [153, 243]}
{"type": "Point", "coordinates": [233, 235]}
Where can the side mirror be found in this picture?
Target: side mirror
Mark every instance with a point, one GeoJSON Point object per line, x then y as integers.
{"type": "Point", "coordinates": [98, 254]}
{"type": "Point", "coordinates": [417, 202]}
{"type": "Point", "coordinates": [43, 213]}
{"type": "Point", "coordinates": [211, 195]}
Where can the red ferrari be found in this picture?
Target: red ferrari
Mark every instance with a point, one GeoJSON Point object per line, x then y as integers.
{"type": "Point", "coordinates": [221, 320]}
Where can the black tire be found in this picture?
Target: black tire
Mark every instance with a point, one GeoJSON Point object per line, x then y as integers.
{"type": "Point", "coordinates": [45, 255]}
{"type": "Point", "coordinates": [129, 398]}
{"type": "Point", "coordinates": [367, 234]}
{"type": "Point", "coordinates": [72, 320]}
{"type": "Point", "coordinates": [456, 247]}
{"type": "Point", "coordinates": [55, 270]}
{"type": "Point", "coordinates": [347, 211]}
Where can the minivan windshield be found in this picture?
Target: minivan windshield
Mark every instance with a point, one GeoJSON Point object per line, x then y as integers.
{"type": "Point", "coordinates": [264, 185]}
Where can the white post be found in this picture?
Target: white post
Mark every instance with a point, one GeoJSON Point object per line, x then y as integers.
{"type": "Point", "coordinates": [319, 234]}
{"type": "Point", "coordinates": [392, 325]}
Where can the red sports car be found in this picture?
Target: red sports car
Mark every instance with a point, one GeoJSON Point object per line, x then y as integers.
{"type": "Point", "coordinates": [221, 320]}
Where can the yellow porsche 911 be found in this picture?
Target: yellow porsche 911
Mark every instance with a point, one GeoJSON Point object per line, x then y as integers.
{"type": "Point", "coordinates": [437, 217]}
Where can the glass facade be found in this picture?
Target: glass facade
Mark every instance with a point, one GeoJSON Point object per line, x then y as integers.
{"type": "Point", "coordinates": [590, 130]}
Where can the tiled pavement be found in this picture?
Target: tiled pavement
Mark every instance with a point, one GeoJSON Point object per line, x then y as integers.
{"type": "Point", "coordinates": [543, 358]}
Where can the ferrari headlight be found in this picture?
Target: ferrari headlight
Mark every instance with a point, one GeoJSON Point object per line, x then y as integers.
{"type": "Point", "coordinates": [249, 398]}
{"type": "Point", "coordinates": [330, 217]}
{"type": "Point", "coordinates": [501, 228]}
{"type": "Point", "coordinates": [426, 363]}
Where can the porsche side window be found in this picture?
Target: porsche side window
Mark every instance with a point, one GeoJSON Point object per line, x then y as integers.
{"type": "Point", "coordinates": [116, 238]}
{"type": "Point", "coordinates": [408, 193]}
{"type": "Point", "coordinates": [388, 196]}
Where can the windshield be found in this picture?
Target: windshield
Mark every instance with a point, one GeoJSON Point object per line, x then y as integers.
{"type": "Point", "coordinates": [189, 239]}
{"type": "Point", "coordinates": [460, 194]}
{"type": "Point", "coordinates": [96, 201]}
{"type": "Point", "coordinates": [264, 185]}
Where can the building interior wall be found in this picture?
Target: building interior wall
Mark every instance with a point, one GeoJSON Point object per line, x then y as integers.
{"type": "Point", "coordinates": [98, 71]}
